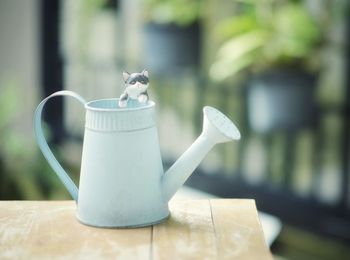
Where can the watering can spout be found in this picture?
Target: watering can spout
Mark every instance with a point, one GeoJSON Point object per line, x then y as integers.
{"type": "Point", "coordinates": [217, 128]}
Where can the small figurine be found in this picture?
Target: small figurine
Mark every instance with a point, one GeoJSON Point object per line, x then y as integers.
{"type": "Point", "coordinates": [136, 85]}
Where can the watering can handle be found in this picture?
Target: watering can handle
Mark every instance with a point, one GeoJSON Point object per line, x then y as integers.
{"type": "Point", "coordinates": [61, 173]}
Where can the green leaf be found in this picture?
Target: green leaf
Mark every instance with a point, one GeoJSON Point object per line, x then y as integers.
{"type": "Point", "coordinates": [296, 32]}
{"type": "Point", "coordinates": [237, 54]}
{"type": "Point", "coordinates": [236, 25]}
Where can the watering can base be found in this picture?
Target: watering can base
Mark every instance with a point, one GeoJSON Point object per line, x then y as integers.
{"type": "Point", "coordinates": [127, 227]}
{"type": "Point", "coordinates": [139, 225]}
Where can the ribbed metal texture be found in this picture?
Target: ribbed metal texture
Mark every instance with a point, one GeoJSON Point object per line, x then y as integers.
{"type": "Point", "coordinates": [109, 119]}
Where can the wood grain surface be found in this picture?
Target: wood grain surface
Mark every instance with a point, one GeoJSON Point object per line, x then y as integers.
{"type": "Point", "coordinates": [196, 229]}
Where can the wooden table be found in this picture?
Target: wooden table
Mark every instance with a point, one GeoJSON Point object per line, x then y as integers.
{"type": "Point", "coordinates": [197, 229]}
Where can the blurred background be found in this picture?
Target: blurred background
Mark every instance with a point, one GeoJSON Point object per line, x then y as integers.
{"type": "Point", "coordinates": [278, 68]}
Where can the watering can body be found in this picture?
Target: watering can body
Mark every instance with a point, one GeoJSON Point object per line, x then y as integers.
{"type": "Point", "coordinates": [121, 168]}
{"type": "Point", "coordinates": [122, 183]}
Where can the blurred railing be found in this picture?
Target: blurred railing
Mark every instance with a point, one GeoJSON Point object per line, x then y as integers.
{"type": "Point", "coordinates": [285, 171]}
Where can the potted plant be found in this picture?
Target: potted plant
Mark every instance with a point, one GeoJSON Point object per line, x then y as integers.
{"type": "Point", "coordinates": [278, 43]}
{"type": "Point", "coordinates": [171, 34]}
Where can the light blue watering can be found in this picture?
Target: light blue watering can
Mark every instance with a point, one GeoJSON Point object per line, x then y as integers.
{"type": "Point", "coordinates": [122, 182]}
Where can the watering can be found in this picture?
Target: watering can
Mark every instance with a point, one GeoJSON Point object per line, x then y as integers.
{"type": "Point", "coordinates": [122, 182]}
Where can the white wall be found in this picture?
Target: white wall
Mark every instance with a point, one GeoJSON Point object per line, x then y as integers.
{"type": "Point", "coordinates": [19, 59]}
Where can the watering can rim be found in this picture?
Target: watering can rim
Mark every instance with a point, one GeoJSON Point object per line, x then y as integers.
{"type": "Point", "coordinates": [88, 106]}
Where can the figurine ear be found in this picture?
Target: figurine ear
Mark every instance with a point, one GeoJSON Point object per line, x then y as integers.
{"type": "Point", "coordinates": [145, 73]}
{"type": "Point", "coordinates": [126, 75]}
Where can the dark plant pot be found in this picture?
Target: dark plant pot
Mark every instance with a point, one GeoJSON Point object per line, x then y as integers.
{"type": "Point", "coordinates": [281, 100]}
{"type": "Point", "coordinates": [169, 47]}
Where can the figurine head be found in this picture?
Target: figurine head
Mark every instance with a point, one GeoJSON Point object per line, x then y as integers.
{"type": "Point", "coordinates": [136, 83]}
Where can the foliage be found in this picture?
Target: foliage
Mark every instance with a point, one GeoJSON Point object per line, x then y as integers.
{"type": "Point", "coordinates": [23, 171]}
{"type": "Point", "coordinates": [264, 34]}
{"type": "Point", "coordinates": [179, 12]}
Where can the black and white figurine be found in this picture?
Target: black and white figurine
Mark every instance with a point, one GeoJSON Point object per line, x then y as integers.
{"type": "Point", "coordinates": [136, 85]}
